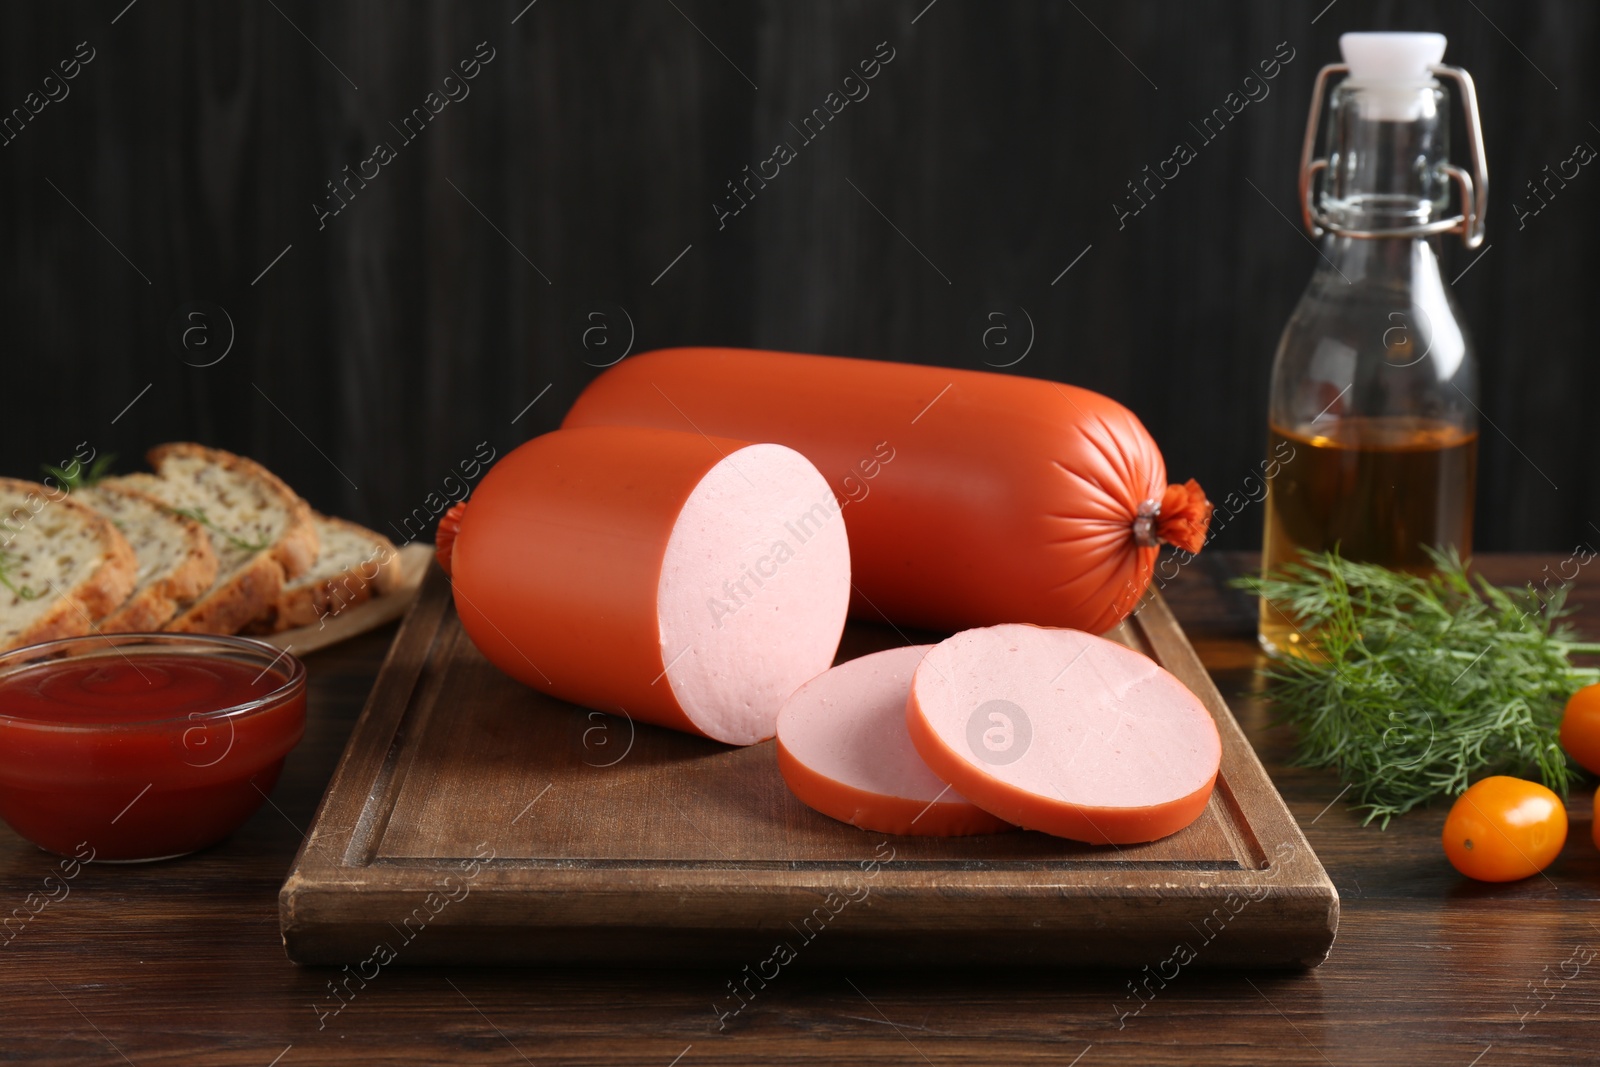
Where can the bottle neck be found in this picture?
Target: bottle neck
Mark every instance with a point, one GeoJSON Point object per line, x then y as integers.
{"type": "Point", "coordinates": [1388, 147]}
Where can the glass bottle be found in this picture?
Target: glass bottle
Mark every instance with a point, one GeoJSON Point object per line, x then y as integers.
{"type": "Point", "coordinates": [1372, 409]}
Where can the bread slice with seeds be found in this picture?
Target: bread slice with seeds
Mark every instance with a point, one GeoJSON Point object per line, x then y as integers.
{"type": "Point", "coordinates": [176, 562]}
{"type": "Point", "coordinates": [261, 532]}
{"type": "Point", "coordinates": [62, 565]}
{"type": "Point", "coordinates": [354, 565]}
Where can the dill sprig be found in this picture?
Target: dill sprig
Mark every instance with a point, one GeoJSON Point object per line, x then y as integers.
{"type": "Point", "coordinates": [1422, 684]}
{"type": "Point", "coordinates": [22, 592]}
{"type": "Point", "coordinates": [199, 515]}
{"type": "Point", "coordinates": [80, 476]}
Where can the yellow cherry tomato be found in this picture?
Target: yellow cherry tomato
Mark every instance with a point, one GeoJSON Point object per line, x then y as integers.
{"type": "Point", "coordinates": [1580, 728]}
{"type": "Point", "coordinates": [1502, 829]}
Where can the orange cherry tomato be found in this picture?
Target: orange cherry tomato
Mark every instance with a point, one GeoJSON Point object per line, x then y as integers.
{"type": "Point", "coordinates": [1502, 829]}
{"type": "Point", "coordinates": [1580, 728]}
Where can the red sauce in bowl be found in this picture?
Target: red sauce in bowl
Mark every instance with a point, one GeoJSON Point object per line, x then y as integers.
{"type": "Point", "coordinates": [143, 746]}
{"type": "Point", "coordinates": [112, 689]}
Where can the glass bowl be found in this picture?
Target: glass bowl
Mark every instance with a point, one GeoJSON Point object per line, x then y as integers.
{"type": "Point", "coordinates": [141, 747]}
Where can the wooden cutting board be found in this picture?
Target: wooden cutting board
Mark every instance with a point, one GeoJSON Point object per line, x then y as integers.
{"type": "Point", "coordinates": [473, 820]}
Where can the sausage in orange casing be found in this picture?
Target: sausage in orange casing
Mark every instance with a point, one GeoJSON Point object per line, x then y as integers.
{"type": "Point", "coordinates": [683, 580]}
{"type": "Point", "coordinates": [971, 498]}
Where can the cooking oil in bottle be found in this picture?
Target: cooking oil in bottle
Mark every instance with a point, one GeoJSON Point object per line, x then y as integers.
{"type": "Point", "coordinates": [1373, 404]}
{"type": "Point", "coordinates": [1377, 488]}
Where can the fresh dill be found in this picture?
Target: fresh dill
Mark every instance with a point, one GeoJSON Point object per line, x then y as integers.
{"type": "Point", "coordinates": [1422, 684]}
{"type": "Point", "coordinates": [21, 592]}
{"type": "Point", "coordinates": [79, 476]}
{"type": "Point", "coordinates": [199, 515]}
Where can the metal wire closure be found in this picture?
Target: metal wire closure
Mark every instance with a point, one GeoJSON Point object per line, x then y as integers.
{"type": "Point", "coordinates": [1144, 524]}
{"type": "Point", "coordinates": [1474, 187]}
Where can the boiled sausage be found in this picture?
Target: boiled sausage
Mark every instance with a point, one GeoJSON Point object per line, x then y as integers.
{"type": "Point", "coordinates": [844, 750]}
{"type": "Point", "coordinates": [971, 498]}
{"type": "Point", "coordinates": [1061, 731]}
{"type": "Point", "coordinates": [689, 581]}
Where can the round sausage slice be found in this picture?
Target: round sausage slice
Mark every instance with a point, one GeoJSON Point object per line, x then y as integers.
{"type": "Point", "coordinates": [1060, 731]}
{"type": "Point", "coordinates": [688, 581]}
{"type": "Point", "coordinates": [844, 750]}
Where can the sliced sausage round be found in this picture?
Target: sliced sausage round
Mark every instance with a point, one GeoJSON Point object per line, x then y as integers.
{"type": "Point", "coordinates": [1061, 731]}
{"type": "Point", "coordinates": [843, 749]}
{"type": "Point", "coordinates": [685, 580]}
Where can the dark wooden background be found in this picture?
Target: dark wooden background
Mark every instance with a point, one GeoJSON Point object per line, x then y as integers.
{"type": "Point", "coordinates": [371, 359]}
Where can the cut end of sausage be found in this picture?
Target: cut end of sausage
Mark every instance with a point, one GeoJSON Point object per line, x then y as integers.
{"type": "Point", "coordinates": [754, 589]}
{"type": "Point", "coordinates": [843, 750]}
{"type": "Point", "coordinates": [1064, 732]}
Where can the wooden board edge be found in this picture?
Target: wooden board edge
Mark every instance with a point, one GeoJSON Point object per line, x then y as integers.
{"type": "Point", "coordinates": [1267, 813]}
{"type": "Point", "coordinates": [320, 855]}
{"type": "Point", "coordinates": [1287, 930]}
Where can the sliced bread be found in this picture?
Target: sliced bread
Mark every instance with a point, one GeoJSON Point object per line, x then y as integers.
{"type": "Point", "coordinates": [62, 565]}
{"type": "Point", "coordinates": [176, 561]}
{"type": "Point", "coordinates": [261, 532]}
{"type": "Point", "coordinates": [354, 565]}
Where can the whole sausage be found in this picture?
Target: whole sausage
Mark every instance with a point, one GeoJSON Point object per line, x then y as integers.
{"type": "Point", "coordinates": [971, 498]}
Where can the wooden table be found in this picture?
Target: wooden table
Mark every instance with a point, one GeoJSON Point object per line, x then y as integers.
{"type": "Point", "coordinates": [180, 962]}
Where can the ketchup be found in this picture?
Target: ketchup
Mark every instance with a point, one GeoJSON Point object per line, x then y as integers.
{"type": "Point", "coordinates": [116, 689]}
{"type": "Point", "coordinates": [143, 754]}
